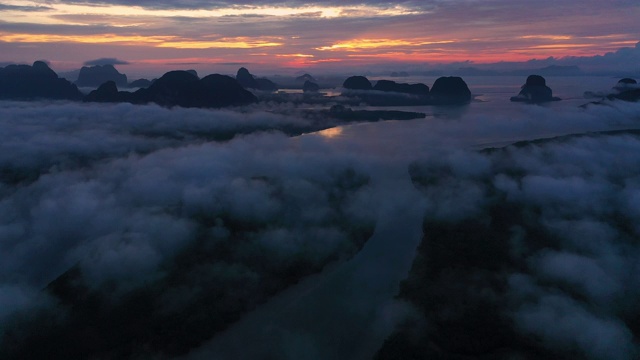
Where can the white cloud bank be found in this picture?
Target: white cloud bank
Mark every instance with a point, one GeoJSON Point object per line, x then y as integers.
{"type": "Point", "coordinates": [124, 191]}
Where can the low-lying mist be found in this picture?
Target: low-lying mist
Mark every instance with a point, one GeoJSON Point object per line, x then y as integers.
{"type": "Point", "coordinates": [139, 231]}
{"type": "Point", "coordinates": [530, 251]}
{"type": "Point", "coordinates": [193, 232]}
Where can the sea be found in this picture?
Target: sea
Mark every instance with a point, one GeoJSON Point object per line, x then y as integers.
{"type": "Point", "coordinates": [490, 106]}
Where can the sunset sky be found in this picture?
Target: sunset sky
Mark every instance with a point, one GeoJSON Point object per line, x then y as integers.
{"type": "Point", "coordinates": [271, 35]}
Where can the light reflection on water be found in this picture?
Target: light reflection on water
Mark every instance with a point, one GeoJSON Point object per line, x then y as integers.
{"type": "Point", "coordinates": [331, 133]}
{"type": "Point", "coordinates": [490, 120]}
{"type": "Point", "coordinates": [325, 92]}
{"type": "Point", "coordinates": [464, 128]}
{"type": "Point", "coordinates": [502, 87]}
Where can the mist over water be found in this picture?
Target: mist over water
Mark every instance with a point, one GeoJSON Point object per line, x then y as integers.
{"type": "Point", "coordinates": [119, 190]}
{"type": "Point", "coordinates": [348, 310]}
{"type": "Point", "coordinates": [295, 325]}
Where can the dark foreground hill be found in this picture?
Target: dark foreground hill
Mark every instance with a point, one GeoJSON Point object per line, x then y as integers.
{"type": "Point", "coordinates": [24, 82]}
{"type": "Point", "coordinates": [450, 90]}
{"type": "Point", "coordinates": [180, 88]}
{"type": "Point", "coordinates": [535, 90]}
{"type": "Point", "coordinates": [626, 89]}
{"type": "Point", "coordinates": [92, 76]}
{"type": "Point", "coordinates": [250, 81]}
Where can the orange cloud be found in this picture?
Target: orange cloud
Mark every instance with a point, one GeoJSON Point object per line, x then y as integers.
{"type": "Point", "coordinates": [547, 37]}
{"type": "Point", "coordinates": [223, 43]}
{"type": "Point", "coordinates": [294, 55]}
{"type": "Point", "coordinates": [358, 44]}
{"type": "Point", "coordinates": [173, 42]}
{"type": "Point", "coordinates": [560, 46]}
{"type": "Point", "coordinates": [85, 39]}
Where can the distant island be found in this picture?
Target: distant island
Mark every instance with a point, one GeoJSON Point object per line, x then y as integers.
{"type": "Point", "coordinates": [551, 70]}
{"type": "Point", "coordinates": [535, 90]}
{"type": "Point", "coordinates": [185, 89]}
{"type": "Point", "coordinates": [450, 90]}
{"type": "Point", "coordinates": [38, 81]}
{"type": "Point", "coordinates": [179, 88]}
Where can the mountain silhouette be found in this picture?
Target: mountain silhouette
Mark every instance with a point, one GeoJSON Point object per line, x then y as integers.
{"type": "Point", "coordinates": [92, 76]}
{"type": "Point", "coordinates": [535, 90]}
{"type": "Point", "coordinates": [180, 88]}
{"type": "Point", "coordinates": [24, 82]}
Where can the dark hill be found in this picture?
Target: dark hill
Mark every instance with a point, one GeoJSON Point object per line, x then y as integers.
{"type": "Point", "coordinates": [222, 90]}
{"type": "Point", "coordinates": [306, 77]}
{"type": "Point", "coordinates": [392, 86]}
{"type": "Point", "coordinates": [451, 90]}
{"type": "Point", "coordinates": [249, 81]}
{"type": "Point", "coordinates": [180, 88]}
{"type": "Point", "coordinates": [108, 92]}
{"type": "Point", "coordinates": [310, 86]}
{"type": "Point", "coordinates": [244, 77]}
{"type": "Point", "coordinates": [99, 74]}
{"type": "Point", "coordinates": [140, 83]}
{"type": "Point", "coordinates": [446, 91]}
{"type": "Point", "coordinates": [535, 90]}
{"type": "Point", "coordinates": [357, 83]}
{"type": "Point", "coordinates": [627, 89]}
{"type": "Point", "coordinates": [24, 82]}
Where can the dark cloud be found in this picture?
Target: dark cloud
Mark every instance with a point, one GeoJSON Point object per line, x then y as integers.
{"type": "Point", "coordinates": [622, 59]}
{"type": "Point", "coordinates": [106, 61]}
{"type": "Point", "coordinates": [30, 28]}
{"type": "Point", "coordinates": [184, 63]}
{"type": "Point", "coordinates": [247, 16]}
{"type": "Point", "coordinates": [5, 7]}
{"type": "Point", "coordinates": [234, 63]}
{"type": "Point", "coordinates": [200, 4]}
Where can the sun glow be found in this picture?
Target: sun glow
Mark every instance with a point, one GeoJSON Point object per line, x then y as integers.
{"type": "Point", "coordinates": [358, 44]}
{"type": "Point", "coordinates": [223, 43]}
{"type": "Point", "coordinates": [547, 37]}
{"type": "Point", "coordinates": [87, 39]}
{"type": "Point", "coordinates": [294, 55]}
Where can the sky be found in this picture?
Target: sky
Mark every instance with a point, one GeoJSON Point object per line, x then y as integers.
{"type": "Point", "coordinates": [291, 36]}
